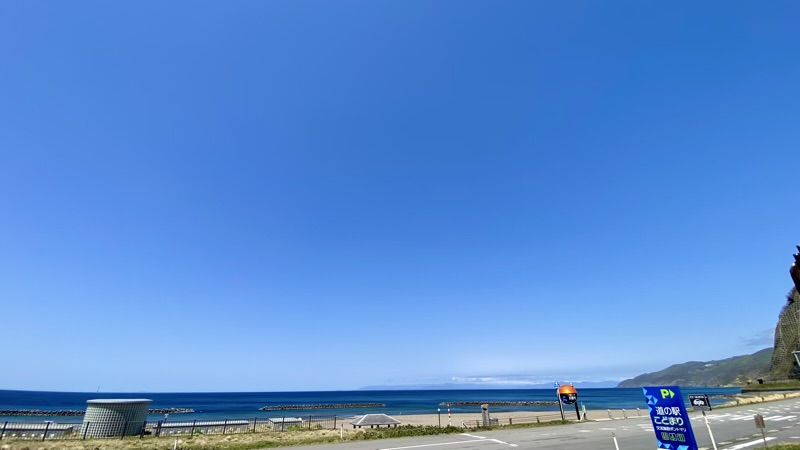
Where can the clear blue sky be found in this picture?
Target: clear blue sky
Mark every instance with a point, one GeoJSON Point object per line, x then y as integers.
{"type": "Point", "coordinates": [300, 195]}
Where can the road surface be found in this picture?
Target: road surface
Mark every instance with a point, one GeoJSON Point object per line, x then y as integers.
{"type": "Point", "coordinates": [733, 429]}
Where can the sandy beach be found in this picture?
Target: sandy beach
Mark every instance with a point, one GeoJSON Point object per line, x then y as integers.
{"type": "Point", "coordinates": [503, 418]}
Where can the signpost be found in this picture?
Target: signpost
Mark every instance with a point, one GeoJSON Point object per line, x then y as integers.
{"type": "Point", "coordinates": [760, 424]}
{"type": "Point", "coordinates": [670, 418]}
{"type": "Point", "coordinates": [567, 395]}
{"type": "Point", "coordinates": [701, 402]}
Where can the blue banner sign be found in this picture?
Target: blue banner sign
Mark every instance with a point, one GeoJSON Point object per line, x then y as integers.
{"type": "Point", "coordinates": [670, 419]}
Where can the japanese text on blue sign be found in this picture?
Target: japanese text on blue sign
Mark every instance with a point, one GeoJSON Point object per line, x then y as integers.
{"type": "Point", "coordinates": [670, 419]}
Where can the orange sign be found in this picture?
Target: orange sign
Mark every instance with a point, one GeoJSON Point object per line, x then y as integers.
{"type": "Point", "coordinates": [568, 394]}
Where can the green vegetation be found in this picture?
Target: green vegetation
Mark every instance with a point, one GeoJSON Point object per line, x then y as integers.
{"type": "Point", "coordinates": [535, 425]}
{"type": "Point", "coordinates": [405, 431]}
{"type": "Point", "coordinates": [736, 371]}
{"type": "Point", "coordinates": [250, 441]}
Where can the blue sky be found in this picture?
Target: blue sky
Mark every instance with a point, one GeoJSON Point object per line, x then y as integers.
{"type": "Point", "coordinates": [301, 195]}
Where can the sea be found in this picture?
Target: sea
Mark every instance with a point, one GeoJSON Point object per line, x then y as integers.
{"type": "Point", "coordinates": [245, 405]}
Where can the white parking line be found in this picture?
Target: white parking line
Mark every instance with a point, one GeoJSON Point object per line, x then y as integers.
{"type": "Point", "coordinates": [483, 438]}
{"type": "Point", "coordinates": [432, 445]}
{"type": "Point", "coordinates": [785, 418]}
{"type": "Point", "coordinates": [475, 439]}
{"type": "Point", "coordinates": [748, 444]}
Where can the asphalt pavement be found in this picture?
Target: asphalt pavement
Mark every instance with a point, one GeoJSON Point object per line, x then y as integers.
{"type": "Point", "coordinates": [733, 429]}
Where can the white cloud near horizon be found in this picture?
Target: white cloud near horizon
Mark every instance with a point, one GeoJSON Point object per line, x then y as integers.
{"type": "Point", "coordinates": [760, 339]}
{"type": "Point", "coordinates": [521, 380]}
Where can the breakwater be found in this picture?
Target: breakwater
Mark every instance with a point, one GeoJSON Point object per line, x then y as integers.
{"type": "Point", "coordinates": [322, 406]}
{"type": "Point", "coordinates": [171, 411]}
{"type": "Point", "coordinates": [499, 403]}
{"type": "Point", "coordinates": [37, 412]}
{"type": "Point", "coordinates": [77, 412]}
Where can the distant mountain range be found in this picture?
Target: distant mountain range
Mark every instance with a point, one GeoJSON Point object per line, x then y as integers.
{"type": "Point", "coordinates": [736, 371]}
{"type": "Point", "coordinates": [470, 386]}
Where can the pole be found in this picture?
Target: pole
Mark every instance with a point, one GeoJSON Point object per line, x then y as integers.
{"type": "Point", "coordinates": [341, 432]}
{"type": "Point", "coordinates": [713, 442]}
{"type": "Point", "coordinates": [3, 433]}
{"type": "Point", "coordinates": [614, 436]}
{"type": "Point", "coordinates": [439, 410]}
{"type": "Point", "coordinates": [765, 438]}
{"type": "Point", "coordinates": [560, 406]}
{"type": "Point", "coordinates": [44, 436]}
{"type": "Point", "coordinates": [449, 416]}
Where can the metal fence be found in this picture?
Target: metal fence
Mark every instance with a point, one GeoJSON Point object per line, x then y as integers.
{"type": "Point", "coordinates": [42, 431]}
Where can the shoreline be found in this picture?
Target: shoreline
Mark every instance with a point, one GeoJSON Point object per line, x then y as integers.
{"type": "Point", "coordinates": [569, 412]}
{"type": "Point", "coordinates": [456, 418]}
{"type": "Point", "coordinates": [345, 432]}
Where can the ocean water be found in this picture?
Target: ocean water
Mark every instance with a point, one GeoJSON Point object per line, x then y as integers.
{"type": "Point", "coordinates": [245, 405]}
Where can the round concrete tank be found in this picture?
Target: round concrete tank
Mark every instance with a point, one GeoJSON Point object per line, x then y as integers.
{"type": "Point", "coordinates": [115, 417]}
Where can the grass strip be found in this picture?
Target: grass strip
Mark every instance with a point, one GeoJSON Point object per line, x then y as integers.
{"type": "Point", "coordinates": [251, 441]}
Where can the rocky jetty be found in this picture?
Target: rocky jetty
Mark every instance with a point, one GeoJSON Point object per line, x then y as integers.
{"type": "Point", "coordinates": [520, 403]}
{"type": "Point", "coordinates": [170, 411]}
{"type": "Point", "coordinates": [75, 412]}
{"type": "Point", "coordinates": [41, 413]}
{"type": "Point", "coordinates": [322, 406]}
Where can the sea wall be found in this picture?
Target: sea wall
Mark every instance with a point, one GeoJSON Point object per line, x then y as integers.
{"type": "Point", "coordinates": [746, 399]}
